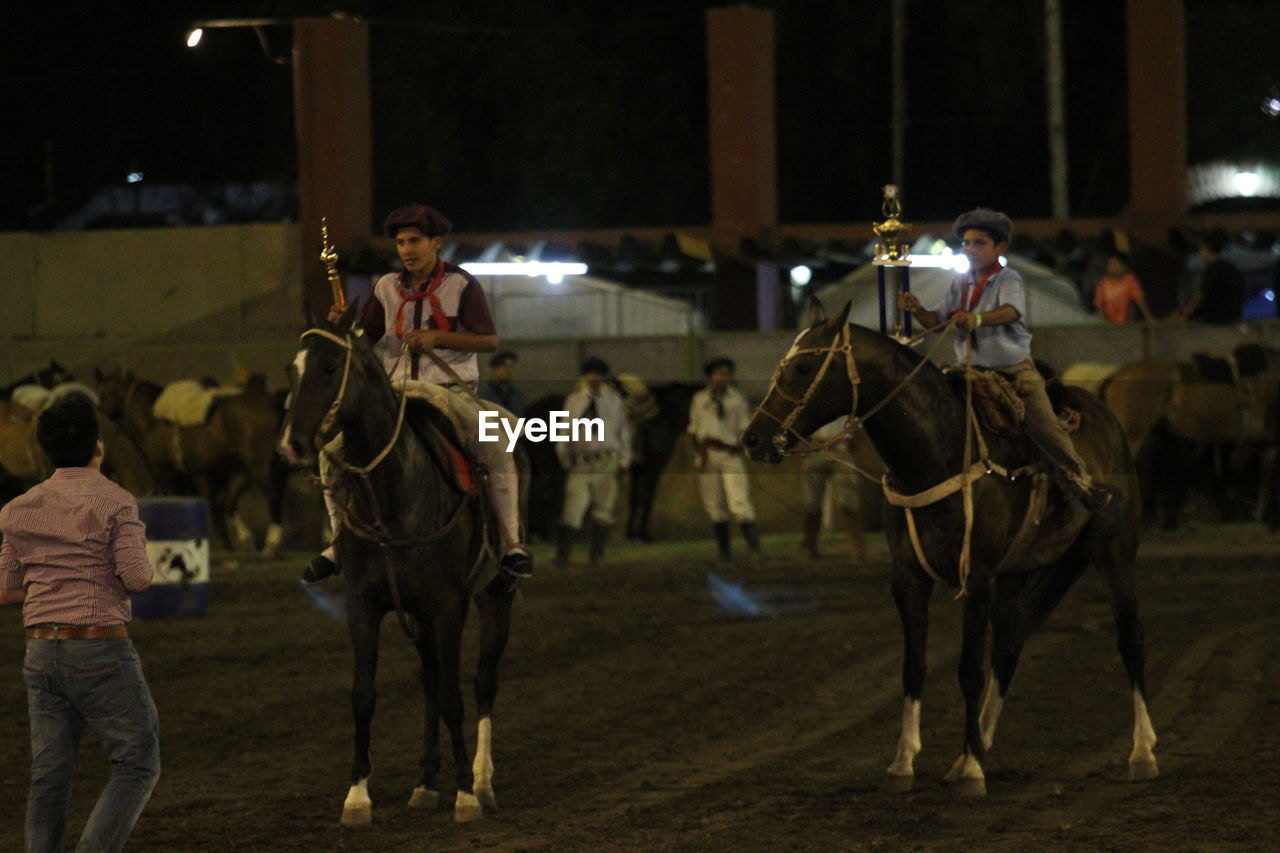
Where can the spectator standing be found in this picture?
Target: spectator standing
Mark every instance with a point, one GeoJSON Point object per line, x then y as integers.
{"type": "Point", "coordinates": [718, 415]}
{"type": "Point", "coordinates": [593, 462]}
{"type": "Point", "coordinates": [74, 548]}
{"type": "Point", "coordinates": [1220, 297]}
{"type": "Point", "coordinates": [1118, 291]}
{"type": "Point", "coordinates": [500, 387]}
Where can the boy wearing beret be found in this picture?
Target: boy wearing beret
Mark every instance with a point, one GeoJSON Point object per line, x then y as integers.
{"type": "Point", "coordinates": [989, 307]}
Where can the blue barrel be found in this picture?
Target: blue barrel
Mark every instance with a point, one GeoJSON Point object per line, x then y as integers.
{"type": "Point", "coordinates": [178, 547]}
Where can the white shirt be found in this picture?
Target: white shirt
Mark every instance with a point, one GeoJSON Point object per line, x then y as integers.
{"type": "Point", "coordinates": [705, 421]}
{"type": "Point", "coordinates": [617, 426]}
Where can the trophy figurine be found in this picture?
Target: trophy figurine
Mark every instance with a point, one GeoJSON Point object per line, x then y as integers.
{"type": "Point", "coordinates": [891, 252]}
{"type": "Point", "coordinates": [329, 255]}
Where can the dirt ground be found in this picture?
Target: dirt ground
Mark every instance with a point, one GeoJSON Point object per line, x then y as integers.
{"type": "Point", "coordinates": [635, 714]}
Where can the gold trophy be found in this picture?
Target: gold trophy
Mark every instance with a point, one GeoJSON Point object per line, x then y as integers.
{"type": "Point", "coordinates": [892, 252]}
{"type": "Point", "coordinates": [329, 255]}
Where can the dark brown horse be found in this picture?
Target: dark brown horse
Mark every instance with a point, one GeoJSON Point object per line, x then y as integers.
{"type": "Point", "coordinates": [1019, 570]}
{"type": "Point", "coordinates": [218, 459]}
{"type": "Point", "coordinates": [412, 541]}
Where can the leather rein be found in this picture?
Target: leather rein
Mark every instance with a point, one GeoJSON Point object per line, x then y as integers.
{"type": "Point", "coordinates": [376, 530]}
{"type": "Point", "coordinates": [982, 465]}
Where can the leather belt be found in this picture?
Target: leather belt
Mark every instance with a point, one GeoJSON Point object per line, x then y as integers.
{"type": "Point", "coordinates": [77, 632]}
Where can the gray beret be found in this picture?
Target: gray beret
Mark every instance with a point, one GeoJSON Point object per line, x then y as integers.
{"type": "Point", "coordinates": [986, 219]}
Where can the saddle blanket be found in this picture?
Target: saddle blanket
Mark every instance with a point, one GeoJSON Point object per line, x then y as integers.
{"type": "Point", "coordinates": [187, 403]}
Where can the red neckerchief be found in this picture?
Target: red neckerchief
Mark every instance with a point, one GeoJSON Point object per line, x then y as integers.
{"type": "Point", "coordinates": [978, 288]}
{"type": "Point", "coordinates": [437, 311]}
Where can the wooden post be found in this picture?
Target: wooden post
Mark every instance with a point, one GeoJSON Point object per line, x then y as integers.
{"type": "Point", "coordinates": [335, 149]}
{"type": "Point", "coordinates": [1157, 46]}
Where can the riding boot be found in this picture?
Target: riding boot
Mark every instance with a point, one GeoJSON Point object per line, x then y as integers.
{"type": "Point", "coordinates": [564, 544]}
{"type": "Point", "coordinates": [599, 535]}
{"type": "Point", "coordinates": [318, 569]}
{"type": "Point", "coordinates": [811, 527]}
{"type": "Point", "coordinates": [517, 562]}
{"type": "Point", "coordinates": [721, 531]}
{"type": "Point", "coordinates": [752, 535]}
{"type": "Point", "coordinates": [853, 527]}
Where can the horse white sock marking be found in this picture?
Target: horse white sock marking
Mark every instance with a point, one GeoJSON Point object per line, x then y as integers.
{"type": "Point", "coordinates": [275, 535]}
{"type": "Point", "coordinates": [240, 531]}
{"type": "Point", "coordinates": [909, 742]}
{"type": "Point", "coordinates": [992, 704]}
{"type": "Point", "coordinates": [300, 366]}
{"type": "Point", "coordinates": [358, 796]}
{"type": "Point", "coordinates": [482, 766]}
{"type": "Point", "coordinates": [1144, 735]}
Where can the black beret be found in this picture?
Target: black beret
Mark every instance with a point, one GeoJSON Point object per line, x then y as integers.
{"type": "Point", "coordinates": [428, 220]}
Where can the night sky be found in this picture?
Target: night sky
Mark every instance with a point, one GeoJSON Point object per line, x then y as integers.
{"type": "Point", "coordinates": [559, 114]}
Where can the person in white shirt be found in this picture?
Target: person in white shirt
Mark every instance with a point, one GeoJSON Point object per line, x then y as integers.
{"type": "Point", "coordinates": [593, 462]}
{"type": "Point", "coordinates": [718, 415]}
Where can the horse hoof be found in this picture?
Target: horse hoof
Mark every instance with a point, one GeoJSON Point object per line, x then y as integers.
{"type": "Point", "coordinates": [487, 800]}
{"type": "Point", "coordinates": [970, 787]}
{"type": "Point", "coordinates": [894, 784]}
{"type": "Point", "coordinates": [357, 815]}
{"type": "Point", "coordinates": [467, 808]}
{"type": "Point", "coordinates": [1143, 769]}
{"type": "Point", "coordinates": [424, 798]}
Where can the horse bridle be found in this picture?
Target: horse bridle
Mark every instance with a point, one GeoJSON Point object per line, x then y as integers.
{"type": "Point", "coordinates": [843, 345]}
{"type": "Point", "coordinates": [377, 530]}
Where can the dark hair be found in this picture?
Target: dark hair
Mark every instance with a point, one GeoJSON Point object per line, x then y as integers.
{"type": "Point", "coordinates": [1121, 257]}
{"type": "Point", "coordinates": [721, 361]}
{"type": "Point", "coordinates": [1216, 240]}
{"type": "Point", "coordinates": [504, 355]}
{"type": "Point", "coordinates": [594, 365]}
{"type": "Point", "coordinates": [68, 432]}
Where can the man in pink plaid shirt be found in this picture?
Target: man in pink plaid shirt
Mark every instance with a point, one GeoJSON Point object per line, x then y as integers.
{"type": "Point", "coordinates": [73, 550]}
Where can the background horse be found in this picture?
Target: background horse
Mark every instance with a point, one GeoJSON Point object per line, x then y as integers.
{"type": "Point", "coordinates": [1219, 414]}
{"type": "Point", "coordinates": [23, 463]}
{"type": "Point", "coordinates": [411, 542]}
{"type": "Point", "coordinates": [1016, 578]}
{"type": "Point", "coordinates": [219, 459]}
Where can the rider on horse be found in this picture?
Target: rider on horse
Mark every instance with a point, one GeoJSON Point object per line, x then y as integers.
{"type": "Point", "coordinates": [439, 311]}
{"type": "Point", "coordinates": [989, 307]}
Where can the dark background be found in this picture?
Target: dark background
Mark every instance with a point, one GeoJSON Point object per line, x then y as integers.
{"type": "Point", "coordinates": [519, 114]}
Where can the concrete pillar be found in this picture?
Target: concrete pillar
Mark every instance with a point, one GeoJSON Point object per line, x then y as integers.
{"type": "Point", "coordinates": [743, 124]}
{"type": "Point", "coordinates": [335, 147]}
{"type": "Point", "coordinates": [1157, 47]}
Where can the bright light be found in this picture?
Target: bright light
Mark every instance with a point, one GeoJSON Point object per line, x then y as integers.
{"type": "Point", "coordinates": [801, 275]}
{"type": "Point", "coordinates": [134, 177]}
{"type": "Point", "coordinates": [958, 263]}
{"type": "Point", "coordinates": [554, 271]}
{"type": "Point", "coordinates": [193, 37]}
{"type": "Point", "coordinates": [1271, 106]}
{"type": "Point", "coordinates": [1269, 295]}
{"type": "Point", "coordinates": [1246, 183]}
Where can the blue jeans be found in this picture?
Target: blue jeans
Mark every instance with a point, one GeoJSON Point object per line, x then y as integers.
{"type": "Point", "coordinates": [72, 684]}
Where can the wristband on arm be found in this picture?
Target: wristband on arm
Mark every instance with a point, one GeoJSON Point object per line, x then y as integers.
{"type": "Point", "coordinates": [977, 317]}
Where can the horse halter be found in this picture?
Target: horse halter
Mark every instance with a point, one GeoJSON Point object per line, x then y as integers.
{"type": "Point", "coordinates": [326, 423]}
{"type": "Point", "coordinates": [843, 345]}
